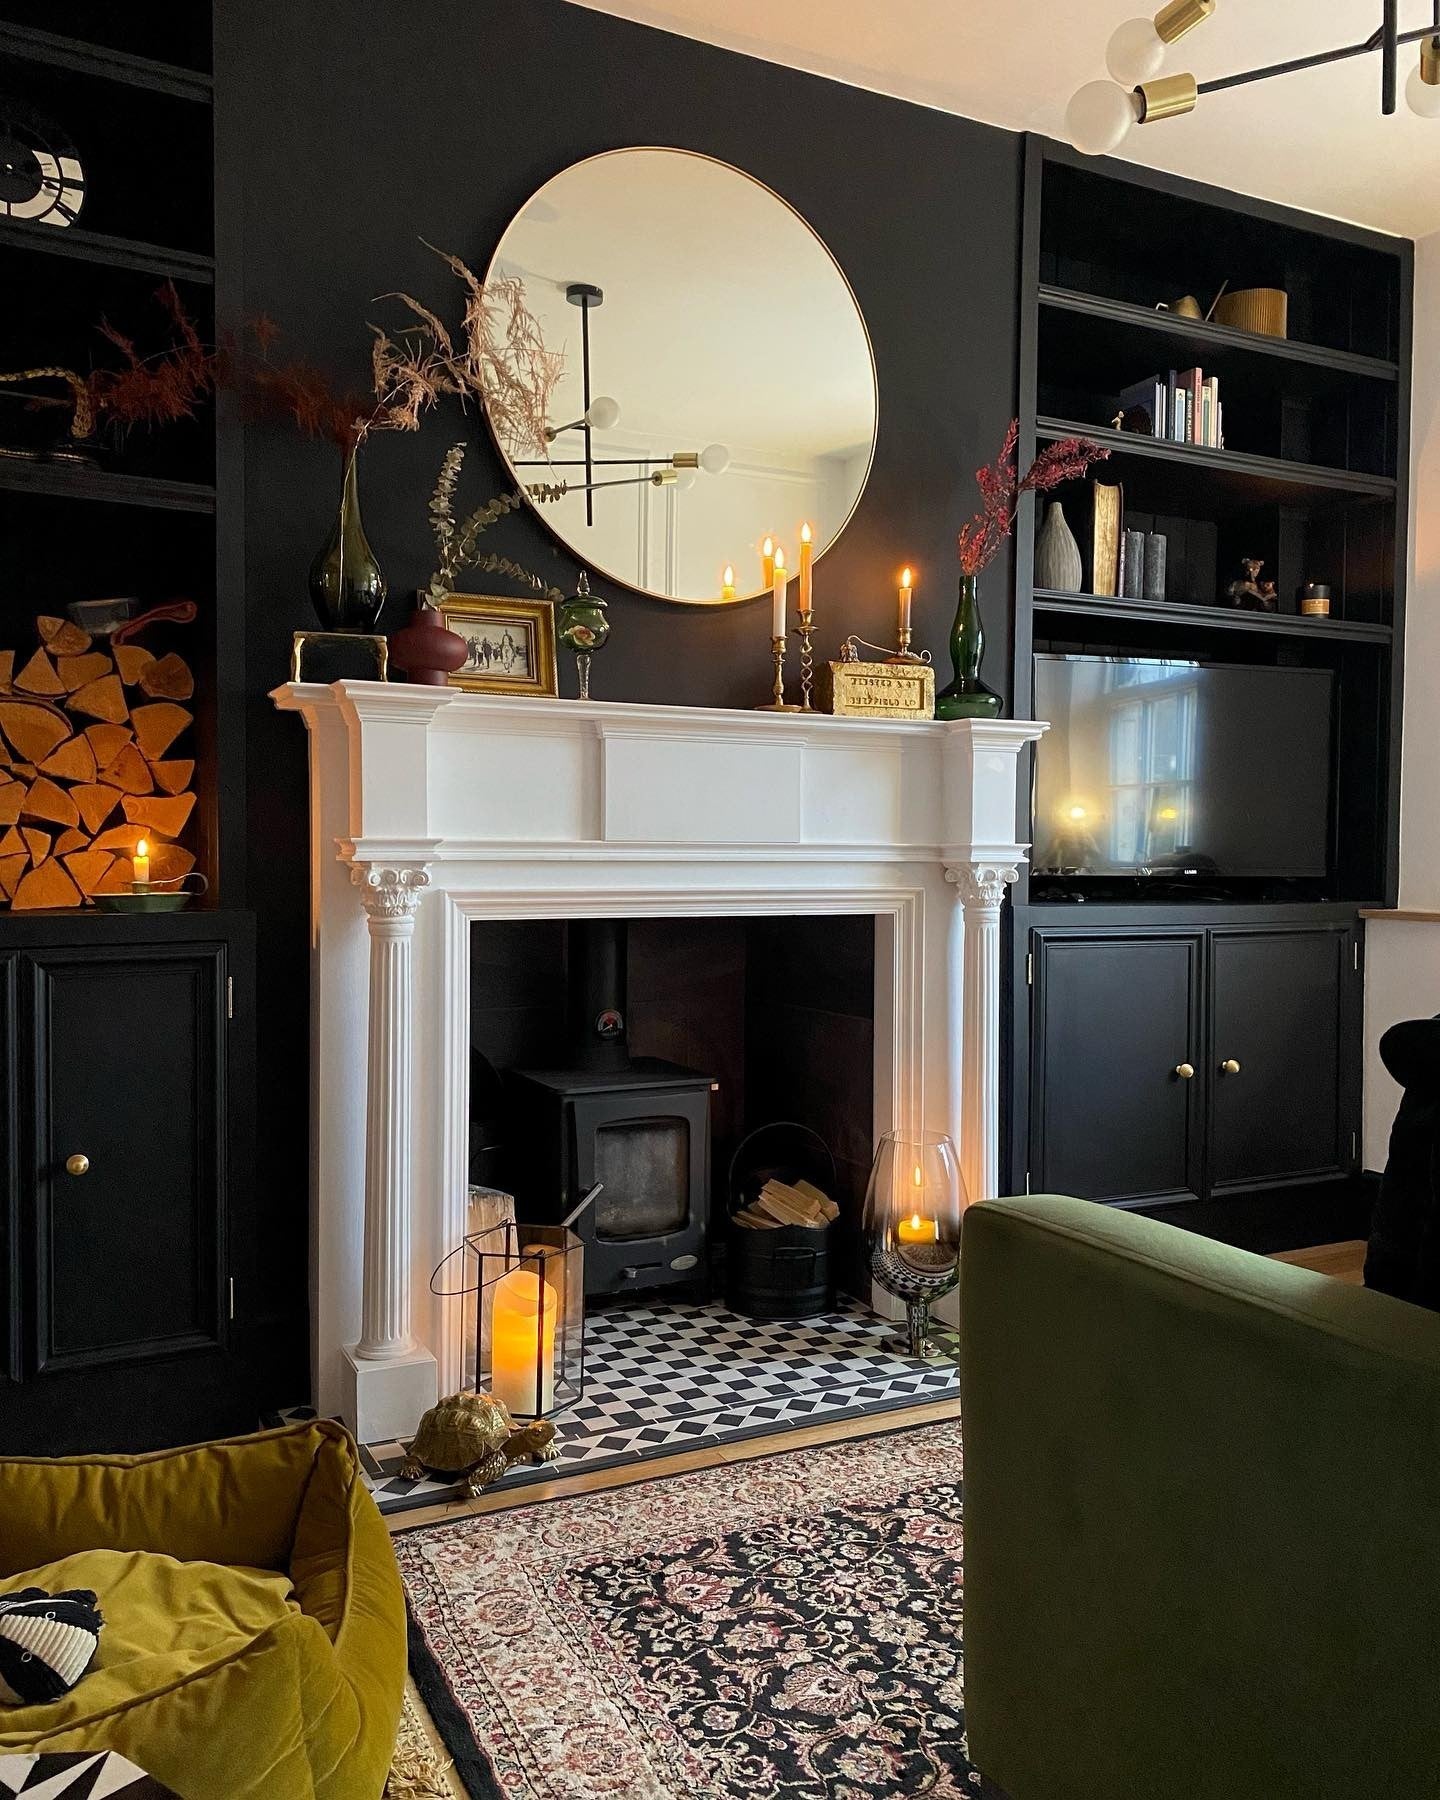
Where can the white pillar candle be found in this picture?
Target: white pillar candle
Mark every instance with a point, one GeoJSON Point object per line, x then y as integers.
{"type": "Point", "coordinates": [777, 616]}
{"type": "Point", "coordinates": [522, 1343]}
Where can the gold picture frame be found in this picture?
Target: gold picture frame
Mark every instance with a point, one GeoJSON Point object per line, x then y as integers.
{"type": "Point", "coordinates": [511, 644]}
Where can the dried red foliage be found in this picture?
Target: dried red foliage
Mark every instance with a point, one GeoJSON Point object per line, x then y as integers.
{"type": "Point", "coordinates": [1000, 490]}
{"type": "Point", "coordinates": [160, 388]}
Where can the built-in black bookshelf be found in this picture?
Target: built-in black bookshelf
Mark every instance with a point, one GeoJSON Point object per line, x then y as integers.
{"type": "Point", "coordinates": [1108, 978]}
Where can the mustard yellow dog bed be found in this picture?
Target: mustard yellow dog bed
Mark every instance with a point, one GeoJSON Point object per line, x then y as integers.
{"type": "Point", "coordinates": [254, 1637]}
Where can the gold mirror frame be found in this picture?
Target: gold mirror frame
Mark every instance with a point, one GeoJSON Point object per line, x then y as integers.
{"type": "Point", "coordinates": [741, 598]}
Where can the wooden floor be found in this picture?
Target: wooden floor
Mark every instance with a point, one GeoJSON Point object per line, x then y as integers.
{"type": "Point", "coordinates": [1343, 1261]}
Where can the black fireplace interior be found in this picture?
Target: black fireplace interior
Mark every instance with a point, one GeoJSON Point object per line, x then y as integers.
{"type": "Point", "coordinates": [640, 1054]}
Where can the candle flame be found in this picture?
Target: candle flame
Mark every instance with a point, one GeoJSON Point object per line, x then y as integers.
{"type": "Point", "coordinates": [914, 1221]}
{"type": "Point", "coordinates": [729, 576]}
{"type": "Point", "coordinates": [905, 577]}
{"type": "Point", "coordinates": [768, 547]}
{"type": "Point", "coordinates": [143, 847]}
{"type": "Point", "coordinates": [805, 534]}
{"type": "Point", "coordinates": [779, 561]}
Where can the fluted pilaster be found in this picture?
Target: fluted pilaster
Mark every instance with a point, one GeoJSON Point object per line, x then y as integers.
{"type": "Point", "coordinates": [390, 896]}
{"type": "Point", "coordinates": [981, 890]}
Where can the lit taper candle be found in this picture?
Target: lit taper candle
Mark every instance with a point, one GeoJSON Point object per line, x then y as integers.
{"type": "Point", "coordinates": [727, 584]}
{"type": "Point", "coordinates": [777, 615]}
{"type": "Point", "coordinates": [767, 562]}
{"type": "Point", "coordinates": [907, 588]}
{"type": "Point", "coordinates": [807, 552]}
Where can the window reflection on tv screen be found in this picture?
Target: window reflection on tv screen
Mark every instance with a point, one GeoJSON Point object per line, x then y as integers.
{"type": "Point", "coordinates": [1157, 767]}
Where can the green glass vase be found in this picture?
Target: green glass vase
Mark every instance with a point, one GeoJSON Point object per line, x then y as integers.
{"type": "Point", "coordinates": [583, 627]}
{"type": "Point", "coordinates": [347, 588]}
{"type": "Point", "coordinates": [967, 696]}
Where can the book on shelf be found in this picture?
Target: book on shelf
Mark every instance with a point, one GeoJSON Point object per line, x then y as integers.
{"type": "Point", "coordinates": [1183, 407]}
{"type": "Point", "coordinates": [1107, 507]}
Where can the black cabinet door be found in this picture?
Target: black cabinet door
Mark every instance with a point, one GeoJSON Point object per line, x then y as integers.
{"type": "Point", "coordinates": [127, 1166]}
{"type": "Point", "coordinates": [1280, 1106]}
{"type": "Point", "coordinates": [11, 1331]}
{"type": "Point", "coordinates": [1116, 1025]}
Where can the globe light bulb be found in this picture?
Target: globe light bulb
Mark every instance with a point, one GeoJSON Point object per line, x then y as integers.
{"type": "Point", "coordinates": [603, 413]}
{"type": "Point", "coordinates": [685, 479]}
{"type": "Point", "coordinates": [1422, 96]}
{"type": "Point", "coordinates": [1099, 117]}
{"type": "Point", "coordinates": [714, 459]}
{"type": "Point", "coordinates": [1135, 53]}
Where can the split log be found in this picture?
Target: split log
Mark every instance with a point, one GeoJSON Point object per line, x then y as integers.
{"type": "Point", "coordinates": [102, 699]}
{"type": "Point", "coordinates": [46, 801]}
{"type": "Point", "coordinates": [46, 886]}
{"type": "Point", "coordinates": [123, 838]}
{"type": "Point", "coordinates": [132, 660]}
{"type": "Point", "coordinates": [107, 741]}
{"type": "Point", "coordinates": [11, 869]}
{"type": "Point", "coordinates": [79, 671]}
{"type": "Point", "coordinates": [61, 637]}
{"type": "Point", "coordinates": [67, 842]}
{"type": "Point", "coordinates": [168, 679]}
{"type": "Point", "coordinates": [39, 677]}
{"type": "Point", "coordinates": [12, 844]}
{"type": "Point", "coordinates": [37, 842]}
{"type": "Point", "coordinates": [96, 801]}
{"type": "Point", "coordinates": [162, 813]}
{"type": "Point", "coordinates": [88, 869]}
{"type": "Point", "coordinates": [11, 794]}
{"type": "Point", "coordinates": [33, 727]}
{"type": "Point", "coordinates": [156, 727]}
{"type": "Point", "coordinates": [7, 670]}
{"type": "Point", "coordinates": [169, 862]}
{"type": "Point", "coordinates": [73, 760]}
{"type": "Point", "coordinates": [175, 776]}
{"type": "Point", "coordinates": [130, 772]}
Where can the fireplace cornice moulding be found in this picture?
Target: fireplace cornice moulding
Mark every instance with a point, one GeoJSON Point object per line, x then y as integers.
{"type": "Point", "coordinates": [443, 807]}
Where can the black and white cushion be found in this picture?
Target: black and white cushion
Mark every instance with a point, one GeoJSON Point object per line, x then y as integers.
{"type": "Point", "coordinates": [76, 1775]}
{"type": "Point", "coordinates": [47, 1642]}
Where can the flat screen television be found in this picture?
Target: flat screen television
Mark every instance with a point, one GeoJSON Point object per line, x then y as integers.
{"type": "Point", "coordinates": [1181, 769]}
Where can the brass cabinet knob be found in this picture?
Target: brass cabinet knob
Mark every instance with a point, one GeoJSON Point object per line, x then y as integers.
{"type": "Point", "coordinates": [1185, 1070]}
{"type": "Point", "coordinates": [1230, 1066]}
{"type": "Point", "coordinates": [79, 1164]}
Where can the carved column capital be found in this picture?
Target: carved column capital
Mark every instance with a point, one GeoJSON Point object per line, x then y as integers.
{"type": "Point", "coordinates": [981, 883]}
{"type": "Point", "coordinates": [390, 891]}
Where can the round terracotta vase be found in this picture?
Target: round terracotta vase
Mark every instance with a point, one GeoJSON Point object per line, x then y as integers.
{"type": "Point", "coordinates": [427, 650]}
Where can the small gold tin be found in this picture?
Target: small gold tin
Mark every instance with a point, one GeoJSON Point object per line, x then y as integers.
{"type": "Point", "coordinates": [878, 690]}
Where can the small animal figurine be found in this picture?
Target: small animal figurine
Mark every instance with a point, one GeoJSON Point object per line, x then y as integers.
{"type": "Point", "coordinates": [1247, 591]}
{"type": "Point", "coordinates": [472, 1435]}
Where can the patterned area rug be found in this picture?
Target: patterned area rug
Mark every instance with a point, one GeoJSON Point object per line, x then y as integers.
{"type": "Point", "coordinates": [782, 1629]}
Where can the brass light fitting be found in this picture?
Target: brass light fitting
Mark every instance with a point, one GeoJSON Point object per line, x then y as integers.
{"type": "Point", "coordinates": [1430, 61]}
{"type": "Point", "coordinates": [1180, 16]}
{"type": "Point", "coordinates": [1167, 97]}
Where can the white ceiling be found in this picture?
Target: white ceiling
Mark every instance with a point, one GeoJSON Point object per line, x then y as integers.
{"type": "Point", "coordinates": [1315, 140]}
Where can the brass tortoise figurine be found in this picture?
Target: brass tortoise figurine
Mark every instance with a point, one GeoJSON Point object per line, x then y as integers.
{"type": "Point", "coordinates": [472, 1435]}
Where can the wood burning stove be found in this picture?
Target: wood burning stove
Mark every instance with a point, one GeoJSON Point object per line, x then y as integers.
{"type": "Point", "coordinates": [639, 1125]}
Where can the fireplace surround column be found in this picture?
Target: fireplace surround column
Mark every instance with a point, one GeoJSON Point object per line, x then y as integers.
{"type": "Point", "coordinates": [389, 1377]}
{"type": "Point", "coordinates": [981, 890]}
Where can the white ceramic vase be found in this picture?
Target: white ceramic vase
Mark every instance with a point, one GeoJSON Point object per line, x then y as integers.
{"type": "Point", "coordinates": [1057, 554]}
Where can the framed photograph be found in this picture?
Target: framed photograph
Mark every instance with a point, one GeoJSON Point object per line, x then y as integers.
{"type": "Point", "coordinates": [510, 644]}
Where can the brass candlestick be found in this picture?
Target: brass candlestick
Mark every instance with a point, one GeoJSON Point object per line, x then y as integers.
{"type": "Point", "coordinates": [806, 629]}
{"type": "Point", "coordinates": [904, 654]}
{"type": "Point", "coordinates": [778, 702]}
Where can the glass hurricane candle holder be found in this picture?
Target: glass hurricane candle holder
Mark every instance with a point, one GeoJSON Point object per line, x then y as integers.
{"type": "Point", "coordinates": [912, 1226]}
{"type": "Point", "coordinates": [583, 627]}
{"type": "Point", "coordinates": [530, 1317]}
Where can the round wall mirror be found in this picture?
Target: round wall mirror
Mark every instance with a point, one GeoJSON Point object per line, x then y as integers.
{"type": "Point", "coordinates": [718, 385]}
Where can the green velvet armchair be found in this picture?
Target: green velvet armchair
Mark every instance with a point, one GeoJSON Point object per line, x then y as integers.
{"type": "Point", "coordinates": [1202, 1518]}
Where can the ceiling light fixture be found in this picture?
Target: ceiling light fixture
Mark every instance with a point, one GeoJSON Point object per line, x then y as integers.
{"type": "Point", "coordinates": [1101, 114]}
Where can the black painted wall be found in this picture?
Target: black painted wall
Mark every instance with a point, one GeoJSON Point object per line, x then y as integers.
{"type": "Point", "coordinates": [348, 130]}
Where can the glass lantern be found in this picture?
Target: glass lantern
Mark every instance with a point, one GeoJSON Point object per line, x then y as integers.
{"type": "Point", "coordinates": [583, 627]}
{"type": "Point", "coordinates": [530, 1317]}
{"type": "Point", "coordinates": [912, 1226]}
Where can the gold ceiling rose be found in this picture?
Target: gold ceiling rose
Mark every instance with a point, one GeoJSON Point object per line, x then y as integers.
{"type": "Point", "coordinates": [1102, 114]}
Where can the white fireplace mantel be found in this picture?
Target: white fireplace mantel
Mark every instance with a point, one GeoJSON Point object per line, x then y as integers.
{"type": "Point", "coordinates": [433, 807]}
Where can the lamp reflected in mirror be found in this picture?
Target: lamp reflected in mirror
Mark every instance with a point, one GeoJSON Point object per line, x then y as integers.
{"type": "Point", "coordinates": [693, 308]}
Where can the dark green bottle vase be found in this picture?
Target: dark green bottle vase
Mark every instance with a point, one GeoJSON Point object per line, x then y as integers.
{"type": "Point", "coordinates": [967, 696]}
{"type": "Point", "coordinates": [346, 585]}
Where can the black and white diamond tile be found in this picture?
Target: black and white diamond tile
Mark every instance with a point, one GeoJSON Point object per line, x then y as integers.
{"type": "Point", "coordinates": [679, 1375]}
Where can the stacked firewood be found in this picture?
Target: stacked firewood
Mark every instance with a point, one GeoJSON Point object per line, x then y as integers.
{"type": "Point", "coordinates": [75, 750]}
{"type": "Point", "coordinates": [783, 1203]}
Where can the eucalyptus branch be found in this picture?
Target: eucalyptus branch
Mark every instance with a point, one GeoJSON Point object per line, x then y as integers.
{"type": "Point", "coordinates": [458, 546]}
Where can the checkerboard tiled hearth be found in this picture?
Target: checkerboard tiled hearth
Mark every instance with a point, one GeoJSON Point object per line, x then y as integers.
{"type": "Point", "coordinates": [680, 1376]}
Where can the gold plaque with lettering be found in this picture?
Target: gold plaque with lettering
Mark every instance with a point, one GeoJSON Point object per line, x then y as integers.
{"type": "Point", "coordinates": [875, 690]}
